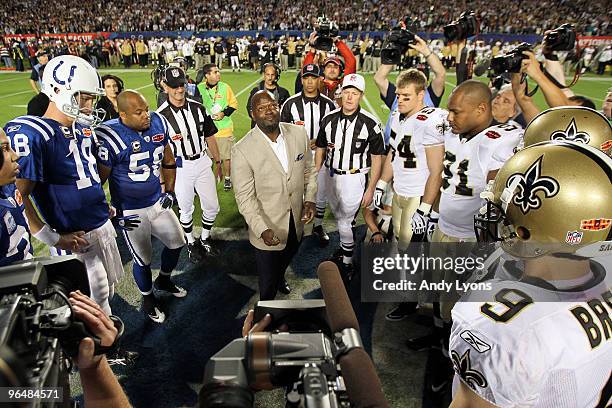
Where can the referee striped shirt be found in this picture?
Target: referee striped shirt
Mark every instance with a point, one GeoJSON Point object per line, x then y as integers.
{"type": "Point", "coordinates": [190, 125]}
{"type": "Point", "coordinates": [350, 140]}
{"type": "Point", "coordinates": [308, 112]}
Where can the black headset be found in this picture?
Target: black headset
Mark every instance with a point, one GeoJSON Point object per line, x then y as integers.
{"type": "Point", "coordinates": [277, 69]}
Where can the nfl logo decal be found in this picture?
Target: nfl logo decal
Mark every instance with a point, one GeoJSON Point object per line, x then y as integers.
{"type": "Point", "coordinates": [135, 146]}
{"type": "Point", "coordinates": [86, 132]}
{"type": "Point", "coordinates": [573, 237]}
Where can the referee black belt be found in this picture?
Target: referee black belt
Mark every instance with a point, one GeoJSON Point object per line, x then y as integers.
{"type": "Point", "coordinates": [351, 171]}
{"type": "Point", "coordinates": [194, 157]}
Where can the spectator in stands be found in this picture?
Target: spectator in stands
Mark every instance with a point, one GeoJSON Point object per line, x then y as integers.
{"type": "Point", "coordinates": [126, 53]}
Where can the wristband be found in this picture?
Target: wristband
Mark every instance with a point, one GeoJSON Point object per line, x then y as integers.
{"type": "Point", "coordinates": [169, 166]}
{"type": "Point", "coordinates": [425, 208]}
{"type": "Point", "coordinates": [382, 184]}
{"type": "Point", "coordinates": [47, 235]}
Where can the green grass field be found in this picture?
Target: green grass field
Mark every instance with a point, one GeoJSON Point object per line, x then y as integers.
{"type": "Point", "coordinates": [15, 92]}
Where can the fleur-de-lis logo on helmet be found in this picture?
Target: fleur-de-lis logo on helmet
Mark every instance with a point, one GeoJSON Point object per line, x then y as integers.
{"type": "Point", "coordinates": [529, 184]}
{"type": "Point", "coordinates": [463, 367]}
{"type": "Point", "coordinates": [572, 134]}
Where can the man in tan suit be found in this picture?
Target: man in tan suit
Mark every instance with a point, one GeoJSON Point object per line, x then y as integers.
{"type": "Point", "coordinates": [274, 182]}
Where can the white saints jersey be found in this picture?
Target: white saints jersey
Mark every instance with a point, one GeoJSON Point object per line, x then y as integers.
{"type": "Point", "coordinates": [532, 345]}
{"type": "Point", "coordinates": [409, 137]}
{"type": "Point", "coordinates": [466, 166]}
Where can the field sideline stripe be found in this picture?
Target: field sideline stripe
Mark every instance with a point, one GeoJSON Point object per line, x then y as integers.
{"type": "Point", "coordinates": [371, 108]}
{"type": "Point", "coordinates": [17, 93]}
{"type": "Point", "coordinates": [12, 79]}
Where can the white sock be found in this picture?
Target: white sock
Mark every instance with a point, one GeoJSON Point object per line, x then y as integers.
{"type": "Point", "coordinates": [190, 238]}
{"type": "Point", "coordinates": [205, 234]}
{"type": "Point", "coordinates": [347, 260]}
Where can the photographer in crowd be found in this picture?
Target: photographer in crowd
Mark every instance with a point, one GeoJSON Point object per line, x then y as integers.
{"type": "Point", "coordinates": [333, 68]}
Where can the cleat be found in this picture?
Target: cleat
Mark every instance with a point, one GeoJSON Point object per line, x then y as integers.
{"type": "Point", "coordinates": [150, 307]}
{"type": "Point", "coordinates": [195, 253]}
{"type": "Point", "coordinates": [227, 185]}
{"type": "Point", "coordinates": [321, 235]}
{"type": "Point", "coordinates": [208, 248]}
{"type": "Point", "coordinates": [284, 287]}
{"type": "Point", "coordinates": [401, 311]}
{"type": "Point", "coordinates": [166, 285]}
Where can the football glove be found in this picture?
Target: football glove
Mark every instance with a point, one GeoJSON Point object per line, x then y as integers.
{"type": "Point", "coordinates": [126, 223]}
{"type": "Point", "coordinates": [168, 200]}
{"type": "Point", "coordinates": [432, 224]}
{"type": "Point", "coordinates": [379, 193]}
{"type": "Point", "coordinates": [419, 222]}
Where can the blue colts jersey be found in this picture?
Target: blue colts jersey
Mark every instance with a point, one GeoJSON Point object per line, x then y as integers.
{"type": "Point", "coordinates": [14, 231]}
{"type": "Point", "coordinates": [135, 160]}
{"type": "Point", "coordinates": [68, 192]}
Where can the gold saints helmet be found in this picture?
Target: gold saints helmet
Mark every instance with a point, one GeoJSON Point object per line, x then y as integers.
{"type": "Point", "coordinates": [572, 123]}
{"type": "Point", "coordinates": [549, 198]}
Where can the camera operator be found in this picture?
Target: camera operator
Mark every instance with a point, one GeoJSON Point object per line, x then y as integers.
{"type": "Point", "coordinates": [505, 108]}
{"type": "Point", "coordinates": [100, 386]}
{"type": "Point", "coordinates": [552, 93]}
{"type": "Point", "coordinates": [433, 92]}
{"type": "Point", "coordinates": [333, 68]}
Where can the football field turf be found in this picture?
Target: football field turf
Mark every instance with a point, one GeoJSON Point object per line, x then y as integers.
{"type": "Point", "coordinates": [171, 357]}
{"type": "Point", "coordinates": [15, 92]}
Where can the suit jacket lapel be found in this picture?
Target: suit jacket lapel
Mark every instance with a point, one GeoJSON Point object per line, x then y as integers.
{"type": "Point", "coordinates": [291, 151]}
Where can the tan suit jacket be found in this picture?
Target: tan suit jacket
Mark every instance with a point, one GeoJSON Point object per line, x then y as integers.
{"type": "Point", "coordinates": [265, 194]}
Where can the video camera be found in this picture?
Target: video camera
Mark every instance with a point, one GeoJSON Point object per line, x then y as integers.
{"type": "Point", "coordinates": [510, 62]}
{"type": "Point", "coordinates": [326, 31]}
{"type": "Point", "coordinates": [303, 360]}
{"type": "Point", "coordinates": [38, 332]}
{"type": "Point", "coordinates": [562, 38]}
{"type": "Point", "coordinates": [462, 28]}
{"type": "Point", "coordinates": [396, 43]}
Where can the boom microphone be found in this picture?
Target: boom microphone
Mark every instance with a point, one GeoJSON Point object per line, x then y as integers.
{"type": "Point", "coordinates": [362, 383]}
{"type": "Point", "coordinates": [340, 312]}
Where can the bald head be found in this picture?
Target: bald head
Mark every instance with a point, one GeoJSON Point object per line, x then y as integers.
{"type": "Point", "coordinates": [469, 108]}
{"type": "Point", "coordinates": [129, 98]}
{"type": "Point", "coordinates": [133, 110]}
{"type": "Point", "coordinates": [474, 92]}
{"type": "Point", "coordinates": [259, 97]}
{"type": "Point", "coordinates": [265, 112]}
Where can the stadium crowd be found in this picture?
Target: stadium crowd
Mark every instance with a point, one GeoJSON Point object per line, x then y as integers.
{"type": "Point", "coordinates": [524, 17]}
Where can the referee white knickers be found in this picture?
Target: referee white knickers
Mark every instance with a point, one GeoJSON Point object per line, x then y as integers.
{"type": "Point", "coordinates": [196, 176]}
{"type": "Point", "coordinates": [102, 261]}
{"type": "Point", "coordinates": [154, 221]}
{"type": "Point", "coordinates": [344, 195]}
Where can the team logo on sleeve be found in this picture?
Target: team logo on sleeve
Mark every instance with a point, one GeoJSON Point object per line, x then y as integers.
{"type": "Point", "coordinates": [491, 134]}
{"type": "Point", "coordinates": [463, 367]}
{"type": "Point", "coordinates": [442, 127]}
{"type": "Point", "coordinates": [178, 136]}
{"type": "Point", "coordinates": [158, 137]}
{"type": "Point", "coordinates": [571, 133]}
{"type": "Point", "coordinates": [529, 185]}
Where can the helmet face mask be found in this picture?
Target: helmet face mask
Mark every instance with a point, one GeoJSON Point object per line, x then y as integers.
{"type": "Point", "coordinates": [65, 80]}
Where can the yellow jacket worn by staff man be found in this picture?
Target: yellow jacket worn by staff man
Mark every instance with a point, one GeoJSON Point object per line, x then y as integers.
{"type": "Point", "coordinates": [217, 99]}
